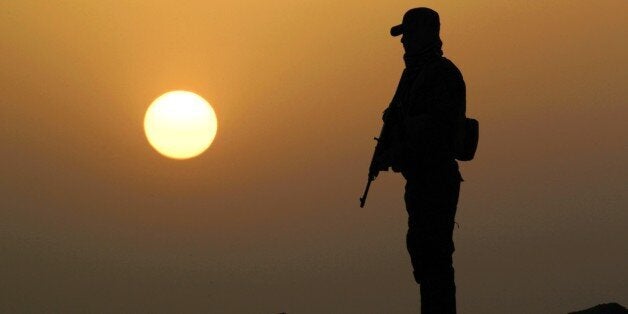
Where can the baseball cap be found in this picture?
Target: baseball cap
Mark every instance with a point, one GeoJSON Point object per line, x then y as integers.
{"type": "Point", "coordinates": [417, 18]}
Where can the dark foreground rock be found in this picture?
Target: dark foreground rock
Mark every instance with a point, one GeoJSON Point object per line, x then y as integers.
{"type": "Point", "coordinates": [608, 308]}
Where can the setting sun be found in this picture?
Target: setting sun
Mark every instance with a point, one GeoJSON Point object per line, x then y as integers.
{"type": "Point", "coordinates": [180, 124]}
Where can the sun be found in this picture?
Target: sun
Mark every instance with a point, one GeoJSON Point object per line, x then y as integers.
{"type": "Point", "coordinates": [180, 124]}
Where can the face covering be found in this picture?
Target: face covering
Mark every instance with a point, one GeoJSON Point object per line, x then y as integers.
{"type": "Point", "coordinates": [421, 39]}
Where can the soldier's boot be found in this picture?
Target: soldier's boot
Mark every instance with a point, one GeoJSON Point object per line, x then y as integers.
{"type": "Point", "coordinates": [438, 297]}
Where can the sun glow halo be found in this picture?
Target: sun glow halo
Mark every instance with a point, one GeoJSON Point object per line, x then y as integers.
{"type": "Point", "coordinates": [180, 124]}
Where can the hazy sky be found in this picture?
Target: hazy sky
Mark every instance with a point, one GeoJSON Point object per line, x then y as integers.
{"type": "Point", "coordinates": [92, 219]}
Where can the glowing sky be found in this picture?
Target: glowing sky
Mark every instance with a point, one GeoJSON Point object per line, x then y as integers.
{"type": "Point", "coordinates": [267, 220]}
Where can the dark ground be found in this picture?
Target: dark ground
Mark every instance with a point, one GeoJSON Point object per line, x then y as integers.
{"type": "Point", "coordinates": [607, 308]}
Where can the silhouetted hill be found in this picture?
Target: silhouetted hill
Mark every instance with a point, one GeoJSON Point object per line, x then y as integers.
{"type": "Point", "coordinates": [608, 308]}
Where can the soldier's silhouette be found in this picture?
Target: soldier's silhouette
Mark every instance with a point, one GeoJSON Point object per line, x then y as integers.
{"type": "Point", "coordinates": [420, 133]}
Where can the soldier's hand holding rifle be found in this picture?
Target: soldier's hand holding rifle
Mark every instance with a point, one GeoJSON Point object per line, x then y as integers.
{"type": "Point", "coordinates": [381, 156]}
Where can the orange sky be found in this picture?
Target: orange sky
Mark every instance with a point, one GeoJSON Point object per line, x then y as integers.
{"type": "Point", "coordinates": [92, 219]}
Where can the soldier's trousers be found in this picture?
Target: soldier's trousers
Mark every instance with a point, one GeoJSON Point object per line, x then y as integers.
{"type": "Point", "coordinates": [431, 202]}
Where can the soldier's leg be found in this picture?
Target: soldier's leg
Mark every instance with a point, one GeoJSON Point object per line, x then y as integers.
{"type": "Point", "coordinates": [431, 208]}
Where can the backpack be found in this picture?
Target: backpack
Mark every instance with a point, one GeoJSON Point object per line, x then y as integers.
{"type": "Point", "coordinates": [467, 137]}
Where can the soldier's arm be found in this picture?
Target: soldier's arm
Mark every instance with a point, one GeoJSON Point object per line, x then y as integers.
{"type": "Point", "coordinates": [444, 105]}
{"type": "Point", "coordinates": [447, 101]}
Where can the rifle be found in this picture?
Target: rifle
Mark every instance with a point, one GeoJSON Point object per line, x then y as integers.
{"type": "Point", "coordinates": [381, 156]}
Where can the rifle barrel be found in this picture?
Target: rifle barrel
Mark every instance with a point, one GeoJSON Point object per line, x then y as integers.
{"type": "Point", "coordinates": [366, 192]}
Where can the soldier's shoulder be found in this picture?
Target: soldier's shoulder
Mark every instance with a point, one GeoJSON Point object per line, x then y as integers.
{"type": "Point", "coordinates": [446, 69]}
{"type": "Point", "coordinates": [447, 65]}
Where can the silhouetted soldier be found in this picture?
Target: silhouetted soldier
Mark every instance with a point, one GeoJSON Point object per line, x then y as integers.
{"type": "Point", "coordinates": [425, 112]}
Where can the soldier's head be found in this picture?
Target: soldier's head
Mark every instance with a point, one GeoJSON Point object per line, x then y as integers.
{"type": "Point", "coordinates": [419, 30]}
